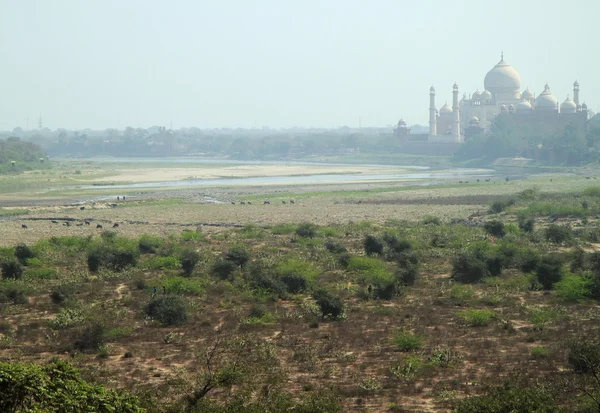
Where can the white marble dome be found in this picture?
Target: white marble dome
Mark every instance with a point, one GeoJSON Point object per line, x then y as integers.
{"type": "Point", "coordinates": [527, 94]}
{"type": "Point", "coordinates": [446, 109]}
{"type": "Point", "coordinates": [568, 106]}
{"type": "Point", "coordinates": [476, 95]}
{"type": "Point", "coordinates": [523, 107]}
{"type": "Point", "coordinates": [486, 95]}
{"type": "Point", "coordinates": [502, 77]}
{"type": "Point", "coordinates": [546, 100]}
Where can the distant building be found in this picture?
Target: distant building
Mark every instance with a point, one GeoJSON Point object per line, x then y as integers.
{"type": "Point", "coordinates": [502, 94]}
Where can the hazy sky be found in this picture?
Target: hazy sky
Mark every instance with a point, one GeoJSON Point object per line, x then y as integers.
{"type": "Point", "coordinates": [281, 63]}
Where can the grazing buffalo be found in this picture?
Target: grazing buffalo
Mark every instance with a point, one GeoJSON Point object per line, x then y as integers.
{"type": "Point", "coordinates": [232, 202]}
{"type": "Point", "coordinates": [115, 225]}
{"type": "Point", "coordinates": [242, 203]}
{"type": "Point", "coordinates": [266, 203]}
{"type": "Point", "coordinates": [54, 222]}
{"type": "Point", "coordinates": [23, 226]}
{"type": "Point", "coordinates": [82, 208]}
{"type": "Point", "coordinates": [67, 224]}
{"type": "Point", "coordinates": [291, 201]}
{"type": "Point", "coordinates": [99, 226]}
{"type": "Point", "coordinates": [283, 202]}
{"type": "Point", "coordinates": [86, 222]}
{"type": "Point", "coordinates": [587, 177]}
{"type": "Point", "coordinates": [80, 224]}
{"type": "Point", "coordinates": [249, 203]}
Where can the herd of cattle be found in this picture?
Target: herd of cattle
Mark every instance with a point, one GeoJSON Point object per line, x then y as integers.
{"type": "Point", "coordinates": [68, 224]}
{"type": "Point", "coordinates": [291, 201]}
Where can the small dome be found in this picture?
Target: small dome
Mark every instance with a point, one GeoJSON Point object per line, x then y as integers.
{"type": "Point", "coordinates": [474, 121]}
{"type": "Point", "coordinates": [527, 94]}
{"type": "Point", "coordinates": [503, 108]}
{"type": "Point", "coordinates": [568, 106]}
{"type": "Point", "coordinates": [486, 95]}
{"type": "Point", "coordinates": [476, 95]}
{"type": "Point", "coordinates": [402, 123]}
{"type": "Point", "coordinates": [502, 77]}
{"type": "Point", "coordinates": [445, 110]}
{"type": "Point", "coordinates": [584, 106]}
{"type": "Point", "coordinates": [523, 107]}
{"type": "Point", "coordinates": [546, 101]}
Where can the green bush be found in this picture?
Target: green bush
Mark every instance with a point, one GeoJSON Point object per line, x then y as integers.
{"type": "Point", "coordinates": [431, 220]}
{"type": "Point", "coordinates": [329, 305]}
{"type": "Point", "coordinates": [527, 260]}
{"type": "Point", "coordinates": [224, 269]}
{"type": "Point", "coordinates": [526, 224]}
{"type": "Point", "coordinates": [57, 387]}
{"type": "Point", "coordinates": [178, 285]}
{"type": "Point", "coordinates": [189, 258]}
{"type": "Point", "coordinates": [373, 245]}
{"type": "Point", "coordinates": [11, 270]}
{"type": "Point", "coordinates": [510, 398]}
{"type": "Point", "coordinates": [23, 253]}
{"type": "Point", "coordinates": [262, 279]}
{"type": "Point", "coordinates": [169, 310]}
{"type": "Point", "coordinates": [573, 288]}
{"type": "Point", "coordinates": [407, 341]}
{"type": "Point", "coordinates": [294, 283]}
{"type": "Point", "coordinates": [148, 244]}
{"type": "Point", "coordinates": [238, 255]}
{"type": "Point", "coordinates": [386, 290]}
{"type": "Point", "coordinates": [558, 234]}
{"type": "Point", "coordinates": [407, 274]}
{"type": "Point", "coordinates": [549, 271]}
{"type": "Point", "coordinates": [13, 293]}
{"type": "Point", "coordinates": [61, 294]}
{"type": "Point", "coordinates": [495, 228]}
{"type": "Point", "coordinates": [584, 357]}
{"type": "Point", "coordinates": [468, 268]}
{"type": "Point", "coordinates": [114, 257]}
{"type": "Point", "coordinates": [306, 230]}
{"type": "Point", "coordinates": [500, 206]}
{"type": "Point", "coordinates": [477, 318]}
{"type": "Point", "coordinates": [592, 191]}
{"type": "Point", "coordinates": [334, 246]}
{"type": "Point", "coordinates": [91, 338]}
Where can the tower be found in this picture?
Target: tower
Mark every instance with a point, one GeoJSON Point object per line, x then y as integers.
{"type": "Point", "coordinates": [432, 119]}
{"type": "Point", "coordinates": [456, 115]}
{"type": "Point", "coordinates": [576, 92]}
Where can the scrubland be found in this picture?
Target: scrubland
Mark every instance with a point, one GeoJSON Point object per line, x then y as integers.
{"type": "Point", "coordinates": [385, 299]}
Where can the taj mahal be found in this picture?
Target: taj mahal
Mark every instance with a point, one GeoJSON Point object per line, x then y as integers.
{"type": "Point", "coordinates": [502, 94]}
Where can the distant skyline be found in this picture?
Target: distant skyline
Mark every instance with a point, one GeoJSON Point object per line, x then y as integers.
{"type": "Point", "coordinates": [111, 63]}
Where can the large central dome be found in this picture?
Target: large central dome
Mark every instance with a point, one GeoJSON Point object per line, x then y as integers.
{"type": "Point", "coordinates": [502, 78]}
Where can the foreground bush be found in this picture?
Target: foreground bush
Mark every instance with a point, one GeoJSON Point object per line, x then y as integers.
{"type": "Point", "coordinates": [468, 268]}
{"type": "Point", "coordinates": [329, 305]}
{"type": "Point", "coordinates": [407, 341]}
{"type": "Point", "coordinates": [557, 234]}
{"type": "Point", "coordinates": [189, 258]}
{"type": "Point", "coordinates": [23, 253]}
{"type": "Point", "coordinates": [11, 270]}
{"type": "Point", "coordinates": [306, 230]}
{"type": "Point", "coordinates": [584, 357]}
{"type": "Point", "coordinates": [169, 310]}
{"type": "Point", "coordinates": [239, 256]}
{"type": "Point", "coordinates": [508, 399]}
{"type": "Point", "coordinates": [549, 271]}
{"type": "Point", "coordinates": [57, 387]}
{"type": "Point", "coordinates": [373, 245]}
{"type": "Point", "coordinates": [112, 257]}
{"type": "Point", "coordinates": [495, 228]}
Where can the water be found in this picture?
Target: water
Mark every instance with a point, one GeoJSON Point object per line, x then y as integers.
{"type": "Point", "coordinates": [463, 174]}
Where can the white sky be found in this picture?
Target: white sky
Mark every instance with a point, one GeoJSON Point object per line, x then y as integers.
{"type": "Point", "coordinates": [278, 63]}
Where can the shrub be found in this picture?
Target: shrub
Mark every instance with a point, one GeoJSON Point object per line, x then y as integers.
{"type": "Point", "coordinates": [407, 341]}
{"type": "Point", "coordinates": [344, 259]}
{"type": "Point", "coordinates": [500, 206]}
{"type": "Point", "coordinates": [238, 255]}
{"type": "Point", "coordinates": [14, 294]}
{"type": "Point", "coordinates": [592, 191]}
{"type": "Point", "coordinates": [386, 290]}
{"type": "Point", "coordinates": [584, 357]}
{"type": "Point", "coordinates": [169, 310]}
{"type": "Point", "coordinates": [573, 288]}
{"type": "Point", "coordinates": [526, 224]}
{"type": "Point", "coordinates": [148, 244]}
{"type": "Point", "coordinates": [477, 318]}
{"type": "Point", "coordinates": [407, 274]}
{"type": "Point", "coordinates": [527, 260]}
{"type": "Point", "coordinates": [467, 268]}
{"type": "Point", "coordinates": [189, 258]}
{"type": "Point", "coordinates": [549, 271]}
{"type": "Point", "coordinates": [539, 352]}
{"type": "Point", "coordinates": [113, 257]}
{"type": "Point", "coordinates": [91, 338]}
{"type": "Point", "coordinates": [329, 305]}
{"type": "Point", "coordinates": [224, 269]}
{"type": "Point", "coordinates": [373, 245]}
{"type": "Point", "coordinates": [11, 270]}
{"type": "Point", "coordinates": [558, 234]}
{"type": "Point", "coordinates": [262, 279]}
{"type": "Point", "coordinates": [430, 220]}
{"type": "Point", "coordinates": [61, 294]}
{"type": "Point", "coordinates": [510, 398]}
{"type": "Point", "coordinates": [23, 253]}
{"type": "Point", "coordinates": [295, 283]}
{"type": "Point", "coordinates": [495, 228]}
{"type": "Point", "coordinates": [306, 230]}
{"type": "Point", "coordinates": [334, 246]}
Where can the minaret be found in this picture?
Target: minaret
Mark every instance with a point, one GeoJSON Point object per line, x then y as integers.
{"type": "Point", "coordinates": [432, 119]}
{"type": "Point", "coordinates": [576, 93]}
{"type": "Point", "coordinates": [455, 115]}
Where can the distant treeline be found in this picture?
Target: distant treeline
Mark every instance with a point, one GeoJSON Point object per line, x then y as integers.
{"type": "Point", "coordinates": [17, 155]}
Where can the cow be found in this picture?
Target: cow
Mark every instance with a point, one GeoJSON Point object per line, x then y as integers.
{"type": "Point", "coordinates": [242, 203]}
{"type": "Point", "coordinates": [115, 225]}
{"type": "Point", "coordinates": [82, 208]}
{"type": "Point", "coordinates": [23, 226]}
{"type": "Point", "coordinates": [283, 202]}
{"type": "Point", "coordinates": [266, 203]}
{"type": "Point", "coordinates": [232, 202]}
{"type": "Point", "coordinates": [98, 226]}
{"type": "Point", "coordinates": [249, 203]}
{"type": "Point", "coordinates": [54, 222]}
{"type": "Point", "coordinates": [67, 224]}
{"type": "Point", "coordinates": [86, 222]}
{"type": "Point", "coordinates": [291, 201]}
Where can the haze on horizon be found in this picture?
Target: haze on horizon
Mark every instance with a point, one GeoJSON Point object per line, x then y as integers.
{"type": "Point", "coordinates": [233, 63]}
